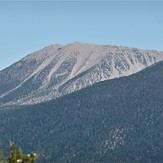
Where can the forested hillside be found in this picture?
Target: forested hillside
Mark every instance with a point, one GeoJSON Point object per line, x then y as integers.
{"type": "Point", "coordinates": [112, 121]}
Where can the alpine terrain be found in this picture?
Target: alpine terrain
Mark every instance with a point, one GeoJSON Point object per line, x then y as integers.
{"type": "Point", "coordinates": [59, 70]}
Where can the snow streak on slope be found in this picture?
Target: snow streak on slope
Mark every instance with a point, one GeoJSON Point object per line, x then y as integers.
{"type": "Point", "coordinates": [58, 70]}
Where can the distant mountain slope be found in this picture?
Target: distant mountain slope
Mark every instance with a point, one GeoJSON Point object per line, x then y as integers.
{"type": "Point", "coordinates": [119, 120]}
{"type": "Point", "coordinates": [58, 70]}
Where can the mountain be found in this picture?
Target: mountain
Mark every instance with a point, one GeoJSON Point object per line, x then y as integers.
{"type": "Point", "coordinates": [118, 120]}
{"type": "Point", "coordinates": [58, 70]}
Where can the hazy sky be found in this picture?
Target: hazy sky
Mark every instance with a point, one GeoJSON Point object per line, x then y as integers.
{"type": "Point", "coordinates": [28, 26]}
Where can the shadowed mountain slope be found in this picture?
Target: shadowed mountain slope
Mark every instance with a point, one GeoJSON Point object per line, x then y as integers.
{"type": "Point", "coordinates": [119, 120]}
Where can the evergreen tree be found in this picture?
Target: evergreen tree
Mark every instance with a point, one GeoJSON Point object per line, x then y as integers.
{"type": "Point", "coordinates": [1, 154]}
{"type": "Point", "coordinates": [17, 156]}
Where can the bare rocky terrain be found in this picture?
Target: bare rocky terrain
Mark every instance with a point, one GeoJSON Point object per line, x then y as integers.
{"type": "Point", "coordinates": [58, 70]}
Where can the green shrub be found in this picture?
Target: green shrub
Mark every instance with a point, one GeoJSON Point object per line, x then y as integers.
{"type": "Point", "coordinates": [17, 156]}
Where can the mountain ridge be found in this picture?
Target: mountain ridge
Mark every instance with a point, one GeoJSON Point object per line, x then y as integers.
{"type": "Point", "coordinates": [41, 75]}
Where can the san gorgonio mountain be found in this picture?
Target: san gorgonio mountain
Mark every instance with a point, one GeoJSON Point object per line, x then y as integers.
{"type": "Point", "coordinates": [58, 70]}
{"type": "Point", "coordinates": [82, 103]}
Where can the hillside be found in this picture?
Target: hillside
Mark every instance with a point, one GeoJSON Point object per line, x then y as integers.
{"type": "Point", "coordinates": [119, 120]}
{"type": "Point", "coordinates": [58, 70]}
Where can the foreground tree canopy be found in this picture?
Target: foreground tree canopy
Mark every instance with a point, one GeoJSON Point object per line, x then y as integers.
{"type": "Point", "coordinates": [17, 156]}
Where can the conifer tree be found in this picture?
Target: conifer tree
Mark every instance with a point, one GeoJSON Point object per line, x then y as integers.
{"type": "Point", "coordinates": [1, 154]}
{"type": "Point", "coordinates": [17, 156]}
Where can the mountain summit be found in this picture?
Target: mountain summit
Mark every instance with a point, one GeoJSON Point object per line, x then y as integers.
{"type": "Point", "coordinates": [58, 70]}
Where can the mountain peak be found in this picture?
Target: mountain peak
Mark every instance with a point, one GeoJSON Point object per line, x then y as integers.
{"type": "Point", "coordinates": [57, 70]}
{"type": "Point", "coordinates": [79, 43]}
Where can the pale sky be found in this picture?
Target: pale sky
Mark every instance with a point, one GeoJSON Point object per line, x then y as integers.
{"type": "Point", "coordinates": [29, 26]}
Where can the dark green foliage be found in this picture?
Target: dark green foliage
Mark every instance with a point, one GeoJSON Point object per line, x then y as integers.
{"type": "Point", "coordinates": [113, 121]}
{"type": "Point", "coordinates": [1, 154]}
{"type": "Point", "coordinates": [17, 156]}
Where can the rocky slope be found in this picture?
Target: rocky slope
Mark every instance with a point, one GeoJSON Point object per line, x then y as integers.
{"type": "Point", "coordinates": [58, 70]}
